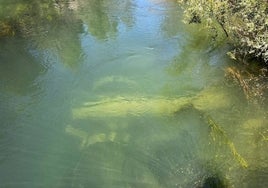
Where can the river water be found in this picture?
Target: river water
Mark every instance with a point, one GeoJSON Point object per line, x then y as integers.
{"type": "Point", "coordinates": [121, 93]}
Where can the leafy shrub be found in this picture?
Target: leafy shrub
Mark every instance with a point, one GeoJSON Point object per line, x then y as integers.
{"type": "Point", "coordinates": [244, 22]}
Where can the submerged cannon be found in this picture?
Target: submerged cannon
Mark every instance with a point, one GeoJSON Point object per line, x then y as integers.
{"type": "Point", "coordinates": [205, 102]}
{"type": "Point", "coordinates": [209, 99]}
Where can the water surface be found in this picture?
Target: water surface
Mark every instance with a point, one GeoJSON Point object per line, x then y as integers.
{"type": "Point", "coordinates": [121, 93]}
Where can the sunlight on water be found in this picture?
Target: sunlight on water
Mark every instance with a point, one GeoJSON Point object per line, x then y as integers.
{"type": "Point", "coordinates": [121, 93]}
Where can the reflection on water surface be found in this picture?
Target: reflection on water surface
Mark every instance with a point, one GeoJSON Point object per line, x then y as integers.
{"type": "Point", "coordinates": [120, 94]}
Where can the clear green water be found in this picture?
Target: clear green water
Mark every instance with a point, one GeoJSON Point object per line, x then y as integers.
{"type": "Point", "coordinates": [92, 94]}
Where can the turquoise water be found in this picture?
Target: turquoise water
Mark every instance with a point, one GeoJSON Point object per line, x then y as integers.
{"type": "Point", "coordinates": [121, 93]}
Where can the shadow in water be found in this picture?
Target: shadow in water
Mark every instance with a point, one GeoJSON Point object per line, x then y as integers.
{"type": "Point", "coordinates": [18, 68]}
{"type": "Point", "coordinates": [212, 182]}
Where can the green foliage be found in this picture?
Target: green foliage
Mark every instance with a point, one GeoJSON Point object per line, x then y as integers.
{"type": "Point", "coordinates": [244, 22]}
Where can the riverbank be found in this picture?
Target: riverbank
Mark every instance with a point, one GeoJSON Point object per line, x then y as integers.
{"type": "Point", "coordinates": [243, 25]}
